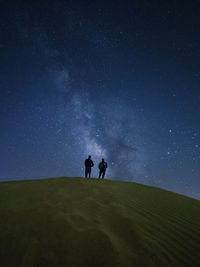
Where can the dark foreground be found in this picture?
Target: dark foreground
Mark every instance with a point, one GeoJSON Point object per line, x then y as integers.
{"type": "Point", "coordinates": [95, 223]}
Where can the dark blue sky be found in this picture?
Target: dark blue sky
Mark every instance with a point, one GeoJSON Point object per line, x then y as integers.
{"type": "Point", "coordinates": [114, 79]}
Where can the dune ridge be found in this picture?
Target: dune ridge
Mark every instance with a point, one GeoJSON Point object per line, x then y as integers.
{"type": "Point", "coordinates": [92, 222]}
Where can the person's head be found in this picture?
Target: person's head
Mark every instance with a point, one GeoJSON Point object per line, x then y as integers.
{"type": "Point", "coordinates": [103, 160]}
{"type": "Point", "coordinates": [89, 157]}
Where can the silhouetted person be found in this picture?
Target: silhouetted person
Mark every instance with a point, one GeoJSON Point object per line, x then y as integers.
{"type": "Point", "coordinates": [88, 165]}
{"type": "Point", "coordinates": [102, 168]}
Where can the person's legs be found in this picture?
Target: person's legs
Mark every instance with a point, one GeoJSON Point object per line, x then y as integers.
{"type": "Point", "coordinates": [104, 171]}
{"type": "Point", "coordinates": [87, 172]}
{"type": "Point", "coordinates": [101, 173]}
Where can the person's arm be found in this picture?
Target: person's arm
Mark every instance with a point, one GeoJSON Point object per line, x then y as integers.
{"type": "Point", "coordinates": [92, 163]}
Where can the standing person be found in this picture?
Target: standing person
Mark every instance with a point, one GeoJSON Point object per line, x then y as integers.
{"type": "Point", "coordinates": [102, 168]}
{"type": "Point", "coordinates": [88, 165]}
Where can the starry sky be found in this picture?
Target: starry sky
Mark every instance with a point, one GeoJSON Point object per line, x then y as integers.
{"type": "Point", "coordinates": [113, 79]}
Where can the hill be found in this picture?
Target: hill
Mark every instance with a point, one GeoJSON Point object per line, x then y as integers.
{"type": "Point", "coordinates": [91, 222]}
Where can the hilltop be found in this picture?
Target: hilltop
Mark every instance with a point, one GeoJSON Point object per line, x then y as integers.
{"type": "Point", "coordinates": [91, 222]}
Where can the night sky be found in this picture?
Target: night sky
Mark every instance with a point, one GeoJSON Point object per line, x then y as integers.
{"type": "Point", "coordinates": [113, 79]}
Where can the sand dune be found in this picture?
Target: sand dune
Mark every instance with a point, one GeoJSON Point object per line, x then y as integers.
{"type": "Point", "coordinates": [91, 223]}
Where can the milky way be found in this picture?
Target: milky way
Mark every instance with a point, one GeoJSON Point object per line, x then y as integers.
{"type": "Point", "coordinates": [106, 79]}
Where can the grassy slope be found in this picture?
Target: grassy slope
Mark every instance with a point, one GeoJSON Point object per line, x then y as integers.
{"type": "Point", "coordinates": [91, 223]}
